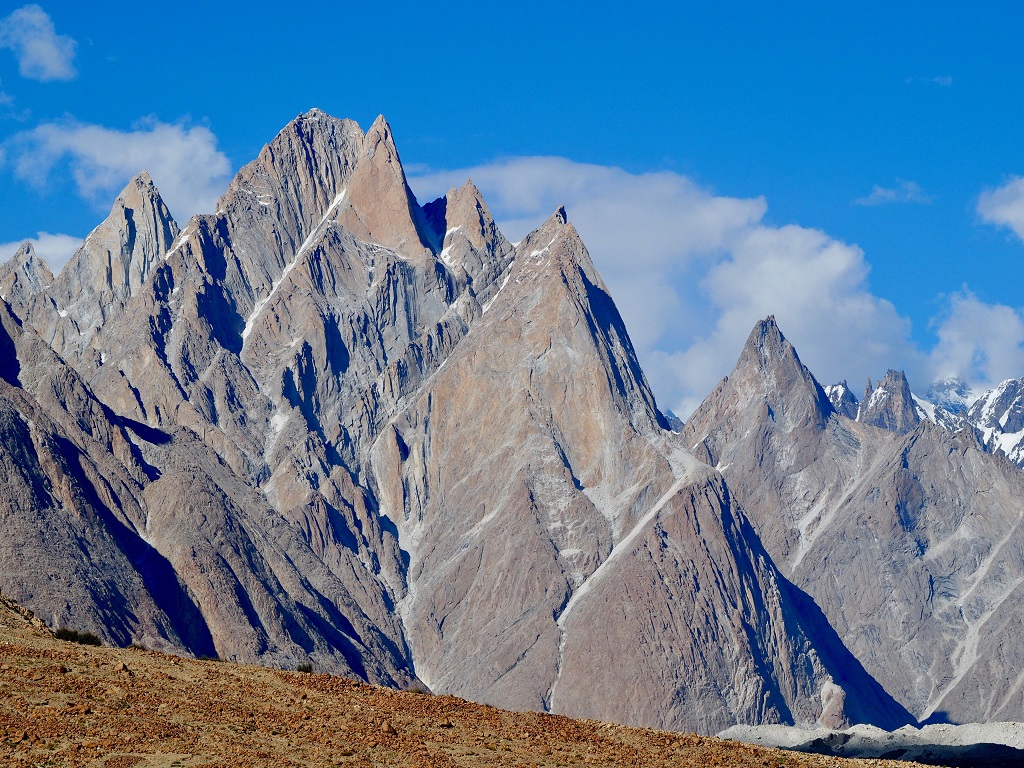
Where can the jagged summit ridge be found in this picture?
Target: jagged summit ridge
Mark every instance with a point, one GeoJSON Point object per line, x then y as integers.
{"type": "Point", "coordinates": [23, 276]}
{"type": "Point", "coordinates": [890, 404]}
{"type": "Point", "coordinates": [417, 450]}
{"type": "Point", "coordinates": [894, 503]}
{"type": "Point", "coordinates": [112, 264]}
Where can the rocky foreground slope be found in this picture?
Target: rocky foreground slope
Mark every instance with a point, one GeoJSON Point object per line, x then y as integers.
{"type": "Point", "coordinates": [64, 704]}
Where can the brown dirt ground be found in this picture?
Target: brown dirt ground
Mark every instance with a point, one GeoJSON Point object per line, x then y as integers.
{"type": "Point", "coordinates": [64, 704]}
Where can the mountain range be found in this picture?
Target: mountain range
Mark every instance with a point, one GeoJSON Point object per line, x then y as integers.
{"type": "Point", "coordinates": [328, 425]}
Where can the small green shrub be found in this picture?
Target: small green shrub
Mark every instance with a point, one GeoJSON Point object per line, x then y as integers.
{"type": "Point", "coordinates": [304, 668]}
{"type": "Point", "coordinates": [74, 636]}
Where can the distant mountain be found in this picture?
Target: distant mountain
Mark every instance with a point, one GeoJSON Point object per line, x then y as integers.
{"type": "Point", "coordinates": [999, 415]}
{"type": "Point", "coordinates": [843, 400]}
{"type": "Point", "coordinates": [953, 394]}
{"type": "Point", "coordinates": [326, 424]}
{"type": "Point", "coordinates": [996, 418]}
{"type": "Point", "coordinates": [908, 536]}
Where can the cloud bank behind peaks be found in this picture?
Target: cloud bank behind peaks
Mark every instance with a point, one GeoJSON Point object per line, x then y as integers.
{"type": "Point", "coordinates": [692, 271]}
{"type": "Point", "coordinates": [1004, 206]}
{"type": "Point", "coordinates": [183, 160]}
{"type": "Point", "coordinates": [55, 250]}
{"type": "Point", "coordinates": [42, 54]}
{"type": "Point", "coordinates": [981, 343]}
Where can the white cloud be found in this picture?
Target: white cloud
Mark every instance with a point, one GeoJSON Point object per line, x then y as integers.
{"type": "Point", "coordinates": [943, 81]}
{"type": "Point", "coordinates": [1004, 206]}
{"type": "Point", "coordinates": [55, 250]}
{"type": "Point", "coordinates": [903, 192]}
{"type": "Point", "coordinates": [817, 289]}
{"type": "Point", "coordinates": [692, 272]}
{"type": "Point", "coordinates": [183, 160]}
{"type": "Point", "coordinates": [42, 54]}
{"type": "Point", "coordinates": [981, 343]}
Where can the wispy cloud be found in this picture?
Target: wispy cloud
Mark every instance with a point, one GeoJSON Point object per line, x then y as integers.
{"type": "Point", "coordinates": [1004, 205]}
{"type": "Point", "coordinates": [903, 192]}
{"type": "Point", "coordinates": [943, 81]}
{"type": "Point", "coordinates": [981, 343]}
{"type": "Point", "coordinates": [55, 250]}
{"type": "Point", "coordinates": [42, 54]}
{"type": "Point", "coordinates": [183, 160]}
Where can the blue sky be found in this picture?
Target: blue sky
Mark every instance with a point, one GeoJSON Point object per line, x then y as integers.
{"type": "Point", "coordinates": [852, 170]}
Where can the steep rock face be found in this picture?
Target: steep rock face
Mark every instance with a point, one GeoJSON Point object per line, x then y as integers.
{"type": "Point", "coordinates": [67, 499]}
{"type": "Point", "coordinates": [531, 524]}
{"type": "Point", "coordinates": [380, 207]}
{"type": "Point", "coordinates": [792, 665]}
{"type": "Point", "coordinates": [285, 342]}
{"type": "Point", "coordinates": [300, 250]}
{"type": "Point", "coordinates": [907, 542]}
{"type": "Point", "coordinates": [113, 264]}
{"type": "Point", "coordinates": [771, 394]}
{"type": "Point", "coordinates": [144, 536]}
{"type": "Point", "coordinates": [890, 405]}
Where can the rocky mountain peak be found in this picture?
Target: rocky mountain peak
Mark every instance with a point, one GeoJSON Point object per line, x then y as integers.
{"type": "Point", "coordinates": [843, 399]}
{"type": "Point", "coordinates": [379, 206]}
{"type": "Point", "coordinates": [545, 233]}
{"type": "Point", "coordinates": [462, 224]}
{"type": "Point", "coordinates": [556, 245]}
{"type": "Point", "coordinates": [138, 189]}
{"type": "Point", "coordinates": [769, 387]}
{"type": "Point", "coordinates": [999, 416]}
{"type": "Point", "coordinates": [890, 405]}
{"type": "Point", "coordinates": [113, 264]}
{"type": "Point", "coordinates": [466, 211]}
{"type": "Point", "coordinates": [23, 275]}
{"type": "Point", "coordinates": [952, 393]}
{"type": "Point", "coordinates": [1002, 407]}
{"type": "Point", "coordinates": [766, 345]}
{"type": "Point", "coordinates": [379, 137]}
{"type": "Point", "coordinates": [775, 360]}
{"type": "Point", "coordinates": [297, 174]}
{"type": "Point", "coordinates": [120, 253]}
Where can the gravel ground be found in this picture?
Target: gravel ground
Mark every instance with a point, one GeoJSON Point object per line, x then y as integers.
{"type": "Point", "coordinates": [64, 704]}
